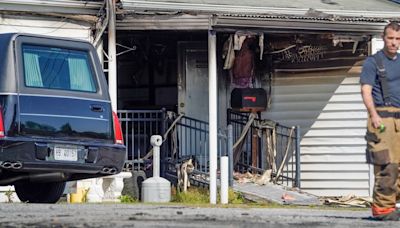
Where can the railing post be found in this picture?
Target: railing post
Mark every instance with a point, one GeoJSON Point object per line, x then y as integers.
{"type": "Point", "coordinates": [228, 112]}
{"type": "Point", "coordinates": [164, 147]}
{"type": "Point", "coordinates": [254, 149]}
{"type": "Point", "coordinates": [230, 154]}
{"type": "Point", "coordinates": [298, 157]}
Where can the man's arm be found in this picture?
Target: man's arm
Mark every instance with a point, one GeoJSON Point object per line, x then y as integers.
{"type": "Point", "coordinates": [366, 93]}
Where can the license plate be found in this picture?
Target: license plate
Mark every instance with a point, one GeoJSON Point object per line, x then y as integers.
{"type": "Point", "coordinates": [65, 154]}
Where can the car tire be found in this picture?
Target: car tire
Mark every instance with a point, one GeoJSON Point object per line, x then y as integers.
{"type": "Point", "coordinates": [32, 192]}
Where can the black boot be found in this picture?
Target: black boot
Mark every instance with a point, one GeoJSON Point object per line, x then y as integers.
{"type": "Point", "coordinates": [392, 216]}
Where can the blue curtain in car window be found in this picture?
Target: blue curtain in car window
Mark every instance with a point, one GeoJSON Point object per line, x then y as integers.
{"type": "Point", "coordinates": [80, 75]}
{"type": "Point", "coordinates": [33, 76]}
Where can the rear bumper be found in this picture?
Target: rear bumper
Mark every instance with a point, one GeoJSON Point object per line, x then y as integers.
{"type": "Point", "coordinates": [37, 156]}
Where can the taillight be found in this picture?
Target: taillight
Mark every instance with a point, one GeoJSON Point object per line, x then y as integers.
{"type": "Point", "coordinates": [2, 135]}
{"type": "Point", "coordinates": [117, 130]}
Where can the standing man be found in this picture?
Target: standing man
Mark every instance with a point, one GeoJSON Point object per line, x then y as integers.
{"type": "Point", "coordinates": [380, 89]}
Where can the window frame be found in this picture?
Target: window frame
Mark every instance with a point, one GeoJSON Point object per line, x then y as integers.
{"type": "Point", "coordinates": [87, 58]}
{"type": "Point", "coordinates": [63, 43]}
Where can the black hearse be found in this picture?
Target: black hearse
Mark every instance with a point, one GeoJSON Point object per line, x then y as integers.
{"type": "Point", "coordinates": [56, 121]}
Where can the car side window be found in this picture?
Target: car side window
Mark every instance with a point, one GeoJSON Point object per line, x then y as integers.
{"type": "Point", "coordinates": [57, 68]}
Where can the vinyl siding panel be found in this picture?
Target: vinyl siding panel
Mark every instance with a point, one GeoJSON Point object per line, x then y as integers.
{"type": "Point", "coordinates": [337, 158]}
{"type": "Point", "coordinates": [338, 191]}
{"type": "Point", "coordinates": [329, 109]}
{"type": "Point", "coordinates": [340, 123]}
{"type": "Point", "coordinates": [333, 150]}
{"type": "Point", "coordinates": [335, 176]}
{"type": "Point", "coordinates": [362, 115]}
{"type": "Point", "coordinates": [336, 132]}
{"type": "Point", "coordinates": [299, 99]}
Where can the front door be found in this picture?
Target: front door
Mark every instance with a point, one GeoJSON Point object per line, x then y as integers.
{"type": "Point", "coordinates": [193, 80]}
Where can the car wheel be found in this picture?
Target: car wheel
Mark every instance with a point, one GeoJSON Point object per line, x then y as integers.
{"type": "Point", "coordinates": [31, 192]}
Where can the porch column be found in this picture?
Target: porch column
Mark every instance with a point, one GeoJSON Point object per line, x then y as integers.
{"type": "Point", "coordinates": [213, 112]}
{"type": "Point", "coordinates": [112, 56]}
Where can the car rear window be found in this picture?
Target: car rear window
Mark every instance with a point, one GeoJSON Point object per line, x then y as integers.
{"type": "Point", "coordinates": [57, 68]}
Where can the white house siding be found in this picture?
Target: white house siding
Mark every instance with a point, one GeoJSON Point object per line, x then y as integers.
{"type": "Point", "coordinates": [328, 107]}
{"type": "Point", "coordinates": [298, 99]}
{"type": "Point", "coordinates": [333, 150]}
{"type": "Point", "coordinates": [45, 25]}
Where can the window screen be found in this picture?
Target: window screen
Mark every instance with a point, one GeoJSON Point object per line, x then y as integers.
{"type": "Point", "coordinates": [57, 68]}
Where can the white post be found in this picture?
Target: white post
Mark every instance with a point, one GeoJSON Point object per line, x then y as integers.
{"type": "Point", "coordinates": [112, 57]}
{"type": "Point", "coordinates": [156, 141]}
{"type": "Point", "coordinates": [224, 179]}
{"type": "Point", "coordinates": [213, 112]}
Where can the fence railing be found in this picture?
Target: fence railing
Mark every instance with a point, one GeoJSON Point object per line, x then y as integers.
{"type": "Point", "coordinates": [138, 126]}
{"type": "Point", "coordinates": [188, 138]}
{"type": "Point", "coordinates": [267, 145]}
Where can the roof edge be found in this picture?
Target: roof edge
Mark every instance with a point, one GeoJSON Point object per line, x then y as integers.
{"type": "Point", "coordinates": [139, 5]}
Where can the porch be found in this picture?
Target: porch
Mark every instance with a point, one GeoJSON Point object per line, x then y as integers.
{"type": "Point", "coordinates": [253, 145]}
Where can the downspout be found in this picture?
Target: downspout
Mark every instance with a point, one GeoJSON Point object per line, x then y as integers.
{"type": "Point", "coordinates": [112, 56]}
{"type": "Point", "coordinates": [213, 112]}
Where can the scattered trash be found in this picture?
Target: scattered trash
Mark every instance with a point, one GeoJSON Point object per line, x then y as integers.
{"type": "Point", "coordinates": [279, 194]}
{"type": "Point", "coordinates": [347, 201]}
{"type": "Point", "coordinates": [287, 197]}
{"type": "Point", "coordinates": [253, 178]}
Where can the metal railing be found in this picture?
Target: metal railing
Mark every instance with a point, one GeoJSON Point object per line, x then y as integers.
{"type": "Point", "coordinates": [266, 146]}
{"type": "Point", "coordinates": [188, 138]}
{"type": "Point", "coordinates": [137, 127]}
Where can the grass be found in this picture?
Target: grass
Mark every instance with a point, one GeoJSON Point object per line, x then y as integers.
{"type": "Point", "coordinates": [127, 199]}
{"type": "Point", "coordinates": [199, 197]}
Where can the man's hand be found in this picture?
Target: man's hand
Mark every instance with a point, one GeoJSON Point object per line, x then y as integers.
{"type": "Point", "coordinates": [376, 121]}
{"type": "Point", "coordinates": [366, 93]}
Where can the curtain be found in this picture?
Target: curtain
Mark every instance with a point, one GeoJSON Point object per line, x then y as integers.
{"type": "Point", "coordinates": [33, 76]}
{"type": "Point", "coordinates": [80, 75]}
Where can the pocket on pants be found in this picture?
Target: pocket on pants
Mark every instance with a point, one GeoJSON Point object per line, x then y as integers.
{"type": "Point", "coordinates": [381, 157]}
{"type": "Point", "coordinates": [372, 137]}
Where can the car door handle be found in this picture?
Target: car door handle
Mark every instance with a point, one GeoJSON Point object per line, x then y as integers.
{"type": "Point", "coordinates": [96, 108]}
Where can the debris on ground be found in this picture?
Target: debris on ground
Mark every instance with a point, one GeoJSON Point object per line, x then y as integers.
{"type": "Point", "coordinates": [253, 178]}
{"type": "Point", "coordinates": [275, 193]}
{"type": "Point", "coordinates": [287, 197]}
{"type": "Point", "coordinates": [347, 201]}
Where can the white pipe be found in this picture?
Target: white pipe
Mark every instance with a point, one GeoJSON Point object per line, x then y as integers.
{"type": "Point", "coordinates": [224, 179]}
{"type": "Point", "coordinates": [156, 141]}
{"type": "Point", "coordinates": [112, 56]}
{"type": "Point", "coordinates": [213, 112]}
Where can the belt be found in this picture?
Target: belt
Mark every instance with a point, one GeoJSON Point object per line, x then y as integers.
{"type": "Point", "coordinates": [386, 114]}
